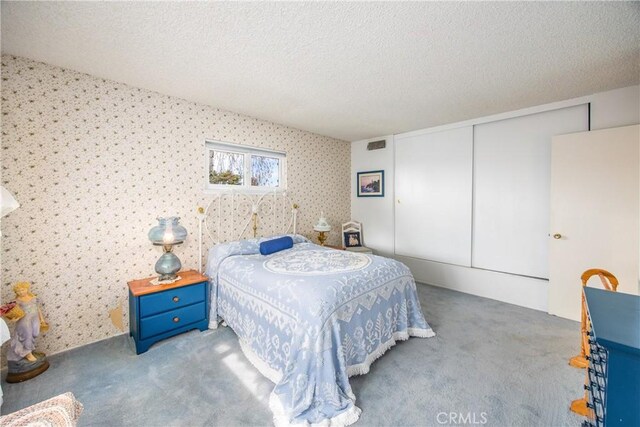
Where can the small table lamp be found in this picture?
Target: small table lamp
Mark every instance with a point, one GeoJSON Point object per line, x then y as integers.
{"type": "Point", "coordinates": [167, 233]}
{"type": "Point", "coordinates": [322, 227]}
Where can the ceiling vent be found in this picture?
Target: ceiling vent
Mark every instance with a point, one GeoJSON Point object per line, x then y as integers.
{"type": "Point", "coordinates": [376, 145]}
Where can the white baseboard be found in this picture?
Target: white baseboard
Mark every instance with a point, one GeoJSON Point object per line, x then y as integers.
{"type": "Point", "coordinates": [519, 290]}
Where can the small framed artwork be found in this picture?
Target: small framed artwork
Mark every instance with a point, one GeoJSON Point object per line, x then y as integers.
{"type": "Point", "coordinates": [352, 239]}
{"type": "Point", "coordinates": [371, 184]}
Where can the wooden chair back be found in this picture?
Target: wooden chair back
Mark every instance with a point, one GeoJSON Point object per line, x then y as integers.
{"type": "Point", "coordinates": [609, 281]}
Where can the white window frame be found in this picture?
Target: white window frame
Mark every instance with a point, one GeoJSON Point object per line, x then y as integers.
{"type": "Point", "coordinates": [248, 151]}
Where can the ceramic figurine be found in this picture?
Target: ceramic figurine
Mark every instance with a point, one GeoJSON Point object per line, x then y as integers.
{"type": "Point", "coordinates": [23, 361]}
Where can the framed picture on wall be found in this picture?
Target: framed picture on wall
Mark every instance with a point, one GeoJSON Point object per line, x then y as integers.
{"type": "Point", "coordinates": [371, 184]}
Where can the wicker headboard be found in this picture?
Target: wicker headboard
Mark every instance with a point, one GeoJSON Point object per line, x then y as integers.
{"type": "Point", "coordinates": [233, 216]}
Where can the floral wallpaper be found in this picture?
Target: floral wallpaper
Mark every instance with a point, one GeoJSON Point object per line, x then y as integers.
{"type": "Point", "coordinates": [94, 162]}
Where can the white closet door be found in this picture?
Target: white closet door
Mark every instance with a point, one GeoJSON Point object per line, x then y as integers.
{"type": "Point", "coordinates": [433, 196]}
{"type": "Point", "coordinates": [512, 179]}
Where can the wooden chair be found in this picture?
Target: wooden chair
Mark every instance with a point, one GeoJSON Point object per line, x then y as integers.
{"type": "Point", "coordinates": [610, 283]}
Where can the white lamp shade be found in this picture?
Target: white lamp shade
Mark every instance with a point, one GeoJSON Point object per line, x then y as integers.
{"type": "Point", "coordinates": [322, 224]}
{"type": "Point", "coordinates": [8, 202]}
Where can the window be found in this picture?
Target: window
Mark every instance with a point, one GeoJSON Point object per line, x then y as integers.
{"type": "Point", "coordinates": [226, 167]}
{"type": "Point", "coordinates": [242, 167]}
{"type": "Point", "coordinates": [265, 171]}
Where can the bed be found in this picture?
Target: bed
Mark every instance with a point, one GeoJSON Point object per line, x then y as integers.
{"type": "Point", "coordinates": [309, 317]}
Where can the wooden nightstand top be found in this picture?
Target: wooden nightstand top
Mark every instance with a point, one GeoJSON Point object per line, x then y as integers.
{"type": "Point", "coordinates": [340, 248]}
{"type": "Point", "coordinates": [143, 286]}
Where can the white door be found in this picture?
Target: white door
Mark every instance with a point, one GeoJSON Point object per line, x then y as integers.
{"type": "Point", "coordinates": [433, 196]}
{"type": "Point", "coordinates": [595, 186]}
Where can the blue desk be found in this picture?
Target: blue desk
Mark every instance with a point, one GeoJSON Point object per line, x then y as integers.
{"type": "Point", "coordinates": [614, 362]}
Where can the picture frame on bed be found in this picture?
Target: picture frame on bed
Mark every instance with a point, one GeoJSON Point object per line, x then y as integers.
{"type": "Point", "coordinates": [370, 184]}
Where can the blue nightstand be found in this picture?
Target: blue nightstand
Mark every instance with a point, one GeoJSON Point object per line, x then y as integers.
{"type": "Point", "coordinates": [157, 312]}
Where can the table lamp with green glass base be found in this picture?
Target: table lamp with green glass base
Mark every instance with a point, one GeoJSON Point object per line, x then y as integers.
{"type": "Point", "coordinates": [168, 233]}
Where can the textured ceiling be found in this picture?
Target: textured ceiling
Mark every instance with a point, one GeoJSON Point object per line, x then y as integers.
{"type": "Point", "coordinates": [347, 70]}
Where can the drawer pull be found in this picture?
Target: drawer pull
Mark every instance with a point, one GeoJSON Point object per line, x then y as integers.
{"type": "Point", "coordinates": [176, 319]}
{"type": "Point", "coordinates": [175, 299]}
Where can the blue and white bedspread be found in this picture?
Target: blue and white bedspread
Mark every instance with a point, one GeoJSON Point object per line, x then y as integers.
{"type": "Point", "coordinates": [309, 317]}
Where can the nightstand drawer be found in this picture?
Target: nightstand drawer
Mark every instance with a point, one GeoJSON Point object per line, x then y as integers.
{"type": "Point", "coordinates": [173, 319]}
{"type": "Point", "coordinates": [171, 299]}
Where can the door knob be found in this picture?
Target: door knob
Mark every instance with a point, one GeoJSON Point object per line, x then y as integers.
{"type": "Point", "coordinates": [557, 236]}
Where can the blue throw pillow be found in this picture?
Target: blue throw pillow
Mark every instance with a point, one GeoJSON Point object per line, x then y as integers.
{"type": "Point", "coordinates": [276, 245]}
